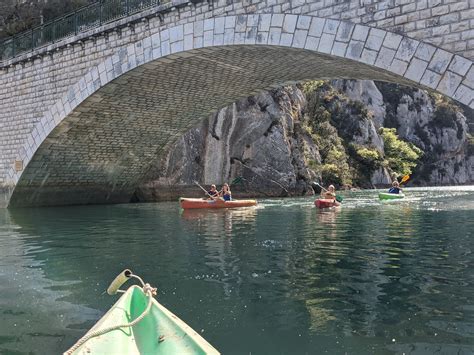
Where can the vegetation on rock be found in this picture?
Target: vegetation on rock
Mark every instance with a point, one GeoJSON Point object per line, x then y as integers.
{"type": "Point", "coordinates": [402, 157]}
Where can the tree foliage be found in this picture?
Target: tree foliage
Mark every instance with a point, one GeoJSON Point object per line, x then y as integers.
{"type": "Point", "coordinates": [401, 156]}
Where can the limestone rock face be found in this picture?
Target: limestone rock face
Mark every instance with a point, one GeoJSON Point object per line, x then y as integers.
{"type": "Point", "coordinates": [265, 142]}
{"type": "Point", "coordinates": [366, 92]}
{"type": "Point", "coordinates": [440, 129]}
{"type": "Point", "coordinates": [258, 139]}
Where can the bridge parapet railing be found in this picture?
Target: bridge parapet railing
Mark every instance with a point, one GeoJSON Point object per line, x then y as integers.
{"type": "Point", "coordinates": [82, 20]}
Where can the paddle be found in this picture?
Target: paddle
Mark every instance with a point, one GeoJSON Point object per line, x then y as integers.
{"type": "Point", "coordinates": [203, 189]}
{"type": "Point", "coordinates": [339, 198]}
{"type": "Point", "coordinates": [405, 179]}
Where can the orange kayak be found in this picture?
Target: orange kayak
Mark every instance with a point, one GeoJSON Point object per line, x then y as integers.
{"type": "Point", "coordinates": [326, 203]}
{"type": "Point", "coordinates": [187, 203]}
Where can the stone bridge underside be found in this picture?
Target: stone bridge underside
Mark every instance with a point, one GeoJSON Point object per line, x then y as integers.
{"type": "Point", "coordinates": [98, 142]}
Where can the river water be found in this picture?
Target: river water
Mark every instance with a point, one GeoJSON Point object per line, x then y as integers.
{"type": "Point", "coordinates": [281, 278]}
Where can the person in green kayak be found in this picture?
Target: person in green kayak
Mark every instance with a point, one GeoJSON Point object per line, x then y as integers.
{"type": "Point", "coordinates": [395, 189]}
{"type": "Point", "coordinates": [330, 193]}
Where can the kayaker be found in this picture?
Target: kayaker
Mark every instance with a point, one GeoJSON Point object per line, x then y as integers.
{"type": "Point", "coordinates": [213, 193]}
{"type": "Point", "coordinates": [226, 193]}
{"type": "Point", "coordinates": [330, 193]}
{"type": "Point", "coordinates": [395, 189]}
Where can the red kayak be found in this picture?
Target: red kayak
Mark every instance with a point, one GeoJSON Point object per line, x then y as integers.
{"type": "Point", "coordinates": [187, 203]}
{"type": "Point", "coordinates": [326, 203]}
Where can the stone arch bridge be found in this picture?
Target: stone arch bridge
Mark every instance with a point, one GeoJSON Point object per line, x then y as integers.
{"type": "Point", "coordinates": [82, 119]}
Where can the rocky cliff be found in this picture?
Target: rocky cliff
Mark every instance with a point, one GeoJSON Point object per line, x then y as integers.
{"type": "Point", "coordinates": [279, 142]}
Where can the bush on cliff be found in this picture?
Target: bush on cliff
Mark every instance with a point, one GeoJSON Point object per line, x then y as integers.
{"type": "Point", "coordinates": [401, 156]}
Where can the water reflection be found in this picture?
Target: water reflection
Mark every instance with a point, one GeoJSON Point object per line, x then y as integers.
{"type": "Point", "coordinates": [287, 278]}
{"type": "Point", "coordinates": [217, 226]}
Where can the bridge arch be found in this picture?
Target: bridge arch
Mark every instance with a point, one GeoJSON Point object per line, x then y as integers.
{"type": "Point", "coordinates": [95, 143]}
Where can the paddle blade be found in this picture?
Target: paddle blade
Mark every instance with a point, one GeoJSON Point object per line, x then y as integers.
{"type": "Point", "coordinates": [405, 179]}
{"type": "Point", "coordinates": [339, 198]}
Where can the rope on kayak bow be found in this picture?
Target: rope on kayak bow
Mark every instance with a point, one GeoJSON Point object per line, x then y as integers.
{"type": "Point", "coordinates": [147, 289]}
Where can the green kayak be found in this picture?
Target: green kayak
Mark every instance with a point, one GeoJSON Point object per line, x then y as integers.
{"type": "Point", "coordinates": [389, 196]}
{"type": "Point", "coordinates": [158, 332]}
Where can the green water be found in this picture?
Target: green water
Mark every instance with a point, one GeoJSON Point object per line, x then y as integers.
{"type": "Point", "coordinates": [282, 278]}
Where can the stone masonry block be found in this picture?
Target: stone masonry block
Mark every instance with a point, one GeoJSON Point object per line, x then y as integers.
{"type": "Point", "coordinates": [339, 49]}
{"type": "Point", "coordinates": [398, 66]}
{"type": "Point", "coordinates": [344, 31]}
{"type": "Point", "coordinates": [264, 22]}
{"type": "Point", "coordinates": [252, 20]}
{"type": "Point", "coordinates": [354, 50]}
{"type": "Point", "coordinates": [464, 94]}
{"type": "Point", "coordinates": [312, 43]}
{"type": "Point", "coordinates": [304, 22]}
{"type": "Point", "coordinates": [375, 39]}
{"type": "Point", "coordinates": [440, 61]}
{"type": "Point", "coordinates": [407, 49]}
{"type": "Point", "coordinates": [230, 22]}
{"type": "Point", "coordinates": [262, 38]}
{"type": "Point", "coordinates": [425, 51]}
{"type": "Point", "coordinates": [430, 79]}
{"type": "Point", "coordinates": [209, 24]}
{"type": "Point", "coordinates": [219, 25]}
{"type": "Point", "coordinates": [229, 36]}
{"type": "Point", "coordinates": [449, 83]}
{"type": "Point", "coordinates": [368, 56]}
{"type": "Point", "coordinates": [360, 33]}
{"type": "Point", "coordinates": [460, 65]}
{"type": "Point", "coordinates": [176, 33]}
{"type": "Point", "coordinates": [277, 20]}
{"type": "Point", "coordinates": [416, 69]}
{"type": "Point", "coordinates": [392, 40]}
{"type": "Point", "coordinates": [286, 39]}
{"type": "Point", "coordinates": [274, 36]}
{"type": "Point", "coordinates": [188, 42]}
{"type": "Point", "coordinates": [316, 28]}
{"type": "Point", "coordinates": [289, 23]}
{"type": "Point", "coordinates": [299, 39]}
{"type": "Point", "coordinates": [331, 26]}
{"type": "Point", "coordinates": [326, 42]}
{"type": "Point", "coordinates": [251, 35]}
{"type": "Point", "coordinates": [241, 23]}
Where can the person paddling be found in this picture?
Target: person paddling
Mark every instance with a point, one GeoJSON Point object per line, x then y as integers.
{"type": "Point", "coordinates": [213, 193]}
{"type": "Point", "coordinates": [226, 194]}
{"type": "Point", "coordinates": [395, 189]}
{"type": "Point", "coordinates": [330, 193]}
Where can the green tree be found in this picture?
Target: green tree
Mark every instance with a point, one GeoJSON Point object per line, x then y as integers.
{"type": "Point", "coordinates": [401, 156]}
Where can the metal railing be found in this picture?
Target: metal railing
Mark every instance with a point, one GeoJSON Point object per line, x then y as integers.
{"type": "Point", "coordinates": [82, 20]}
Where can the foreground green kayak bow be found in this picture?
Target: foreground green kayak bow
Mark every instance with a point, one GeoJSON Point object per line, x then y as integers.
{"type": "Point", "coordinates": [138, 324]}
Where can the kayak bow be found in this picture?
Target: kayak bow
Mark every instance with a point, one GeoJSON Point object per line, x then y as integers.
{"type": "Point", "coordinates": [155, 329]}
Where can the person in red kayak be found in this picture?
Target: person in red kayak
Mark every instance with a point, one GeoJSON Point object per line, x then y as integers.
{"type": "Point", "coordinates": [213, 193]}
{"type": "Point", "coordinates": [395, 189]}
{"type": "Point", "coordinates": [225, 192]}
{"type": "Point", "coordinates": [330, 193]}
